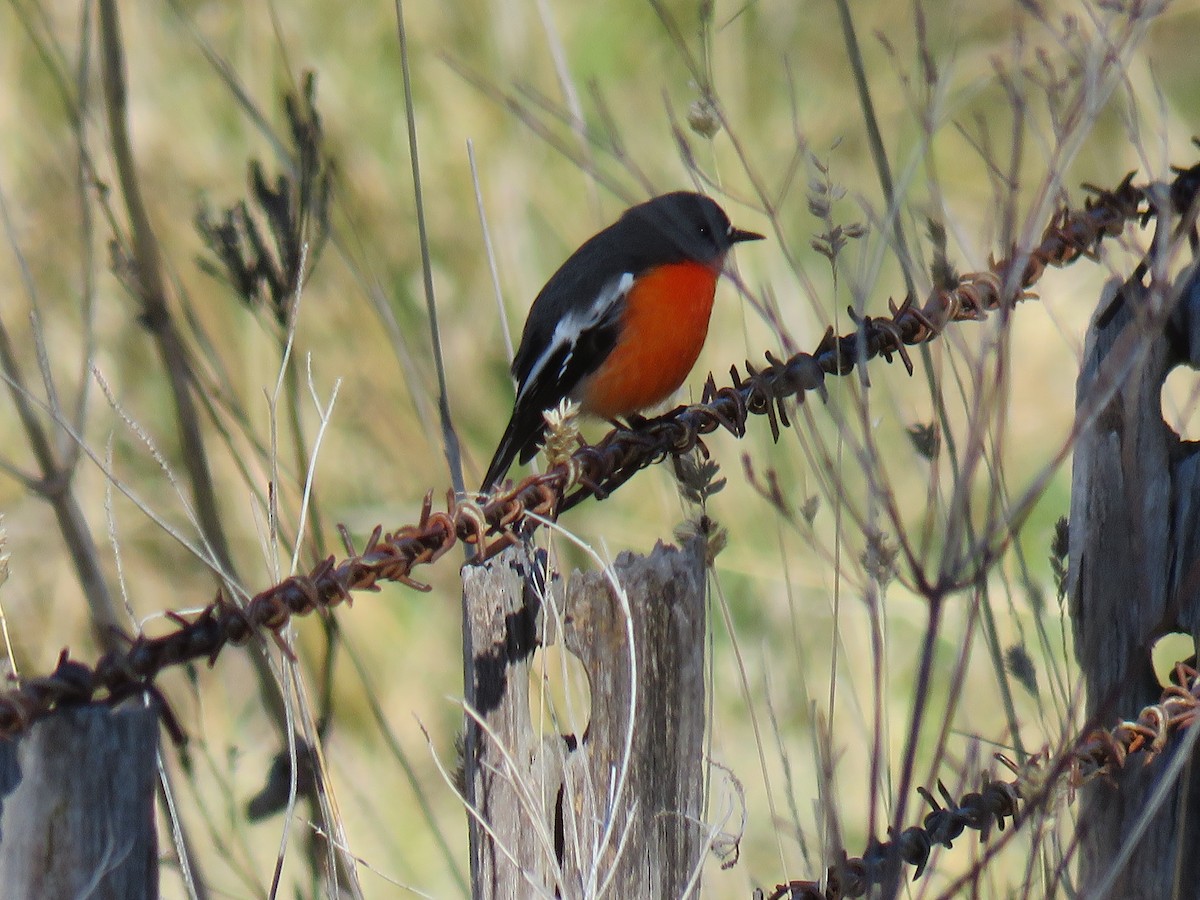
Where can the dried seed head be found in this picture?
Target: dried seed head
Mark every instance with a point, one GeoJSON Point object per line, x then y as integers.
{"type": "Point", "coordinates": [562, 432]}
{"type": "Point", "coordinates": [1020, 666]}
{"type": "Point", "coordinates": [702, 118]}
{"type": "Point", "coordinates": [810, 508]}
{"type": "Point", "coordinates": [697, 477]}
{"type": "Point", "coordinates": [879, 557]}
{"type": "Point", "coordinates": [926, 439]}
{"type": "Point", "coordinates": [704, 528]}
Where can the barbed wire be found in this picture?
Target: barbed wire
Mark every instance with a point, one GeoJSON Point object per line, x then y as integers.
{"type": "Point", "coordinates": [1041, 779]}
{"type": "Point", "coordinates": [492, 522]}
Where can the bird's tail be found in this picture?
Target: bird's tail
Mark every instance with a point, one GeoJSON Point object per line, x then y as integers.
{"type": "Point", "coordinates": [521, 439]}
{"type": "Point", "coordinates": [503, 458]}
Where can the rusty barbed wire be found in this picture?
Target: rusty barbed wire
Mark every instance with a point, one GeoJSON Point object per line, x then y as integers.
{"type": "Point", "coordinates": [1069, 236]}
{"type": "Point", "coordinates": [492, 522]}
{"type": "Point", "coordinates": [1096, 755]}
{"type": "Point", "coordinates": [994, 804]}
{"type": "Point", "coordinates": [1101, 750]}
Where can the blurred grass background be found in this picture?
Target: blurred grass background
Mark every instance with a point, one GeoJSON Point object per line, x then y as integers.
{"type": "Point", "coordinates": [783, 80]}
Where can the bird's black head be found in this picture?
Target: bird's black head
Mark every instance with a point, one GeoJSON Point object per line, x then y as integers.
{"type": "Point", "coordinates": [684, 226]}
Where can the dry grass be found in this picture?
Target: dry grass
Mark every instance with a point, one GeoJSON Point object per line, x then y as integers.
{"type": "Point", "coordinates": [816, 660]}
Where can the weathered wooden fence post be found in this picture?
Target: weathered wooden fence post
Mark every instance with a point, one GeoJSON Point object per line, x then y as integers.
{"type": "Point", "coordinates": [77, 806]}
{"type": "Point", "coordinates": [564, 815]}
{"type": "Point", "coordinates": [1135, 575]}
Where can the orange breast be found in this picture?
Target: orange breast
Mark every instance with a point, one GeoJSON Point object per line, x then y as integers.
{"type": "Point", "coordinates": [662, 331]}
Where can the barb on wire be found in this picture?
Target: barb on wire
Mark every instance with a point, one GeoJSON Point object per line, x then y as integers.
{"type": "Point", "coordinates": [1096, 755]}
{"type": "Point", "coordinates": [495, 521]}
{"type": "Point", "coordinates": [994, 804]}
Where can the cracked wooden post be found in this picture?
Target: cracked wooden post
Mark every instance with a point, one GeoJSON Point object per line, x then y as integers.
{"type": "Point", "coordinates": [77, 806]}
{"type": "Point", "coordinates": [1134, 576]}
{"type": "Point", "coordinates": [555, 822]}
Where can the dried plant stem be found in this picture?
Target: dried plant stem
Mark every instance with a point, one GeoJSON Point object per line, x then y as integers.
{"type": "Point", "coordinates": [450, 444]}
{"type": "Point", "coordinates": [875, 140]}
{"type": "Point", "coordinates": [152, 291]}
{"type": "Point", "coordinates": [54, 484]}
{"type": "Point", "coordinates": [150, 285]}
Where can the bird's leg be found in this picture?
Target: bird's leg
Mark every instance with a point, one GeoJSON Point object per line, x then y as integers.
{"type": "Point", "coordinates": [633, 421]}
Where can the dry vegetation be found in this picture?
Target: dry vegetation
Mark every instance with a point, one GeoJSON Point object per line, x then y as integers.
{"type": "Point", "coordinates": [843, 673]}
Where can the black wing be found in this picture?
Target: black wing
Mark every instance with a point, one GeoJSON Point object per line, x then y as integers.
{"type": "Point", "coordinates": [578, 344]}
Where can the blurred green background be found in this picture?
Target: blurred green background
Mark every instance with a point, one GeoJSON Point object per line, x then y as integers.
{"type": "Point", "coordinates": [781, 74]}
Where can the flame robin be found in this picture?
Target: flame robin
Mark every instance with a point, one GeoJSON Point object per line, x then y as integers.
{"type": "Point", "coordinates": [619, 326]}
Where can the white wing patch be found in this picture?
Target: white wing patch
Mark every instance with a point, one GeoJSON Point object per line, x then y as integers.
{"type": "Point", "coordinates": [574, 324]}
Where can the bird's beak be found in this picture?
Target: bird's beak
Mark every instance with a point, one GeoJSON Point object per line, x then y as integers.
{"type": "Point", "coordinates": [736, 236]}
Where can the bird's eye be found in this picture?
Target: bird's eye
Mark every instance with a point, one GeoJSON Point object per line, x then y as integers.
{"type": "Point", "coordinates": [704, 229]}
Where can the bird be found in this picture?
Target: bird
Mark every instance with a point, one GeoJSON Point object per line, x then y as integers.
{"type": "Point", "coordinates": [619, 326]}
